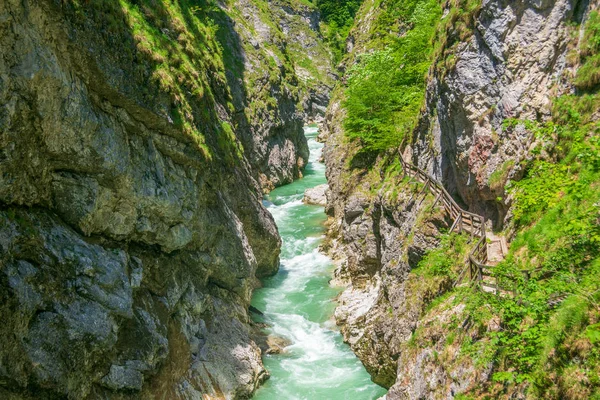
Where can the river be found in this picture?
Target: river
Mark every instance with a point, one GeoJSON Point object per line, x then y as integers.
{"type": "Point", "coordinates": [298, 304]}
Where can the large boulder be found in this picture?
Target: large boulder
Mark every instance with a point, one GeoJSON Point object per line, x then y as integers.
{"type": "Point", "coordinates": [316, 195]}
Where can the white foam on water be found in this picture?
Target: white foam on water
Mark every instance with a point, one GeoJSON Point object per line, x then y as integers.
{"type": "Point", "coordinates": [311, 131]}
{"type": "Point", "coordinates": [315, 155]}
{"type": "Point", "coordinates": [317, 365]}
{"type": "Point", "coordinates": [298, 270]}
{"type": "Point", "coordinates": [281, 212]}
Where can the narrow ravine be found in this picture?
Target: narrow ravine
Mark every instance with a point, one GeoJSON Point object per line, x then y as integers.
{"type": "Point", "coordinates": [298, 303]}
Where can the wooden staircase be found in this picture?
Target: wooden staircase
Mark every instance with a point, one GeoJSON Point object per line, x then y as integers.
{"type": "Point", "coordinates": [497, 249]}
{"type": "Point", "coordinates": [488, 250]}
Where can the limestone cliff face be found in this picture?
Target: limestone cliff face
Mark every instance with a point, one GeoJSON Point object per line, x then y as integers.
{"type": "Point", "coordinates": [509, 66]}
{"type": "Point", "coordinates": [378, 238]}
{"type": "Point", "coordinates": [514, 62]}
{"type": "Point", "coordinates": [280, 72]}
{"type": "Point", "coordinates": [131, 223]}
{"type": "Point", "coordinates": [312, 58]}
{"type": "Point", "coordinates": [263, 96]}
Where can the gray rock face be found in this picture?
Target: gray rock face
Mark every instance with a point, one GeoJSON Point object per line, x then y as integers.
{"type": "Point", "coordinates": [510, 68]}
{"type": "Point", "coordinates": [271, 128]}
{"type": "Point", "coordinates": [123, 377]}
{"type": "Point", "coordinates": [378, 242]}
{"type": "Point", "coordinates": [313, 64]}
{"type": "Point", "coordinates": [128, 249]}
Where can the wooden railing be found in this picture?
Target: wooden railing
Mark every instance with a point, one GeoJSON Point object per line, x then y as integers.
{"type": "Point", "coordinates": [464, 222]}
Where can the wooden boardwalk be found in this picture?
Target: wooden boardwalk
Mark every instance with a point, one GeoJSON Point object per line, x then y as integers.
{"type": "Point", "coordinates": [488, 249]}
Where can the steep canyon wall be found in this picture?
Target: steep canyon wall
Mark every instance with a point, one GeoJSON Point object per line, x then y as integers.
{"type": "Point", "coordinates": [136, 139]}
{"type": "Point", "coordinates": [507, 61]}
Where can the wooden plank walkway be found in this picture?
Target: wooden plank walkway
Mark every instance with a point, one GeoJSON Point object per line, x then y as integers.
{"type": "Point", "coordinates": [488, 250]}
{"type": "Point", "coordinates": [483, 255]}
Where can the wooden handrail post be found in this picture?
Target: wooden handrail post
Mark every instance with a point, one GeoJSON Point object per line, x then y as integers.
{"type": "Point", "coordinates": [436, 200]}
{"type": "Point", "coordinates": [456, 222]}
{"type": "Point", "coordinates": [497, 287]}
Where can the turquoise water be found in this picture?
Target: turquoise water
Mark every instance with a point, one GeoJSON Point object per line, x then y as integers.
{"type": "Point", "coordinates": [298, 304]}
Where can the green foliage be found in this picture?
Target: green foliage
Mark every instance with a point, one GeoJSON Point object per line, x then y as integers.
{"type": "Point", "coordinates": [569, 351]}
{"type": "Point", "coordinates": [545, 185]}
{"type": "Point", "coordinates": [446, 259]}
{"type": "Point", "coordinates": [340, 12]}
{"type": "Point", "coordinates": [504, 376]}
{"type": "Point", "coordinates": [229, 144]}
{"type": "Point", "coordinates": [556, 205]}
{"type": "Point", "coordinates": [592, 332]}
{"type": "Point", "coordinates": [386, 88]}
{"type": "Point", "coordinates": [338, 17]}
{"type": "Point", "coordinates": [588, 75]}
{"type": "Point", "coordinates": [571, 316]}
{"type": "Point", "coordinates": [571, 137]}
{"type": "Point", "coordinates": [498, 178]}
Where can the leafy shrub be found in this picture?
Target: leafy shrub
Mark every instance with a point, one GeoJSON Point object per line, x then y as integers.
{"type": "Point", "coordinates": [386, 89]}
{"type": "Point", "coordinates": [444, 260]}
{"type": "Point", "coordinates": [543, 188]}
{"type": "Point", "coordinates": [338, 16]}
{"type": "Point", "coordinates": [588, 75]}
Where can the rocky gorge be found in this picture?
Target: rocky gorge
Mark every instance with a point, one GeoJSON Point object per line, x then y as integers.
{"type": "Point", "coordinates": [153, 154]}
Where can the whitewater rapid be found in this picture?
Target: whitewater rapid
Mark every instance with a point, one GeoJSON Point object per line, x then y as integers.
{"type": "Point", "coordinates": [298, 303]}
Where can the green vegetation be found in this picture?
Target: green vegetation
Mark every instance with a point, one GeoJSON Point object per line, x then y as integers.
{"type": "Point", "coordinates": [338, 17]}
{"type": "Point", "coordinates": [545, 340]}
{"type": "Point", "coordinates": [386, 89]}
{"type": "Point", "coordinates": [498, 177]}
{"type": "Point", "coordinates": [588, 75]}
{"type": "Point", "coordinates": [187, 54]}
{"type": "Point", "coordinates": [171, 47]}
{"type": "Point", "coordinates": [557, 209]}
{"type": "Point", "coordinates": [233, 150]}
{"type": "Point", "coordinates": [339, 12]}
{"type": "Point", "coordinates": [444, 260]}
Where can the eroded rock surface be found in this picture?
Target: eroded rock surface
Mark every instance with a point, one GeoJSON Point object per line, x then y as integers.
{"type": "Point", "coordinates": [129, 248]}
{"type": "Point", "coordinates": [316, 195]}
{"type": "Point", "coordinates": [512, 65]}
{"type": "Point", "coordinates": [267, 100]}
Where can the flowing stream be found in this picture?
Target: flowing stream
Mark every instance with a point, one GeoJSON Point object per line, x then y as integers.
{"type": "Point", "coordinates": [298, 304]}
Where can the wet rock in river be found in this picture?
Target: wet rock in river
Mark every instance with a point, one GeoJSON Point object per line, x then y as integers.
{"type": "Point", "coordinates": [277, 344]}
{"type": "Point", "coordinates": [316, 195]}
